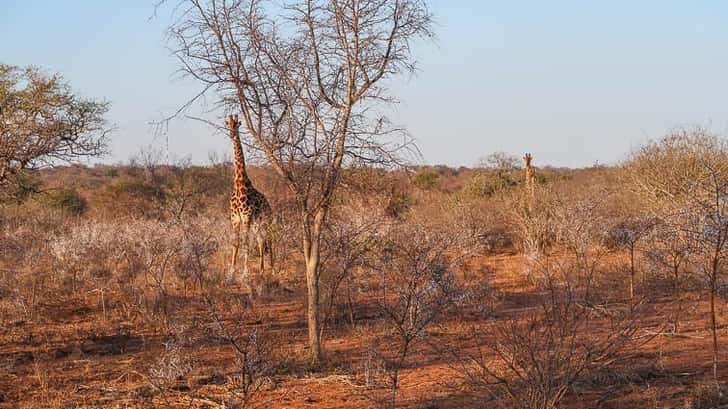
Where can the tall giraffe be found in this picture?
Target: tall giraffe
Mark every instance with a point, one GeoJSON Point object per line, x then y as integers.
{"type": "Point", "coordinates": [249, 209]}
{"type": "Point", "coordinates": [530, 181]}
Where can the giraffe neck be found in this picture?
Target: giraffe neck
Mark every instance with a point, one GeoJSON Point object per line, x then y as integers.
{"type": "Point", "coordinates": [241, 181]}
{"type": "Point", "coordinates": [529, 183]}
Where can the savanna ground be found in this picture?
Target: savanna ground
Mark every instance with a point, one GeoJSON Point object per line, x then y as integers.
{"type": "Point", "coordinates": [114, 293]}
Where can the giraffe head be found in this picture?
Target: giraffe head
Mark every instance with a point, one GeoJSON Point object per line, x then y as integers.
{"type": "Point", "coordinates": [528, 159]}
{"type": "Point", "coordinates": [233, 124]}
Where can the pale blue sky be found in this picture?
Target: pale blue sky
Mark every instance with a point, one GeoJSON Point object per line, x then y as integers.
{"type": "Point", "coordinates": [574, 82]}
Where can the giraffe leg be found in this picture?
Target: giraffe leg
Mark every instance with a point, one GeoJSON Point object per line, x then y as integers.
{"type": "Point", "coordinates": [269, 246]}
{"type": "Point", "coordinates": [236, 245]}
{"type": "Point", "coordinates": [261, 253]}
{"type": "Point", "coordinates": [246, 244]}
{"type": "Point", "coordinates": [262, 284]}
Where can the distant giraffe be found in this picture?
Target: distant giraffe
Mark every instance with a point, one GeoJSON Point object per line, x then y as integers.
{"type": "Point", "coordinates": [530, 181]}
{"type": "Point", "coordinates": [249, 209]}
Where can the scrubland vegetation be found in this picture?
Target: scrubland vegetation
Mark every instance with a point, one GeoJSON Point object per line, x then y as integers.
{"type": "Point", "coordinates": [440, 287]}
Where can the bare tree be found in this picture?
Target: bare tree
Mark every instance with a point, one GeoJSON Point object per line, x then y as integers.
{"type": "Point", "coordinates": [580, 224]}
{"type": "Point", "coordinates": [43, 122]}
{"type": "Point", "coordinates": [308, 78]}
{"type": "Point", "coordinates": [500, 161]}
{"type": "Point", "coordinates": [671, 249]}
{"type": "Point", "coordinates": [627, 234]}
{"type": "Point", "coordinates": [415, 287]}
{"type": "Point", "coordinates": [685, 176]}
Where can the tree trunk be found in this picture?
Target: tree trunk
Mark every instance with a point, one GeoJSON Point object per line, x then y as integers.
{"type": "Point", "coordinates": [678, 293]}
{"type": "Point", "coordinates": [675, 274]}
{"type": "Point", "coordinates": [713, 325]}
{"type": "Point", "coordinates": [312, 257]}
{"type": "Point", "coordinates": [313, 311]}
{"type": "Point", "coordinates": [350, 303]}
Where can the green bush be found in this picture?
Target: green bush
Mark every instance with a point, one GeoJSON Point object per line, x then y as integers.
{"type": "Point", "coordinates": [488, 183]}
{"type": "Point", "coordinates": [111, 172]}
{"type": "Point", "coordinates": [399, 204]}
{"type": "Point", "coordinates": [20, 188]}
{"type": "Point", "coordinates": [67, 200]}
{"type": "Point", "coordinates": [129, 197]}
{"type": "Point", "coordinates": [426, 179]}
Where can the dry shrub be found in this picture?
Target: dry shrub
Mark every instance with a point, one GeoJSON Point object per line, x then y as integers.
{"type": "Point", "coordinates": [255, 364]}
{"type": "Point", "coordinates": [26, 277]}
{"type": "Point", "coordinates": [236, 325]}
{"type": "Point", "coordinates": [84, 252]}
{"type": "Point", "coordinates": [142, 261]}
{"type": "Point", "coordinates": [24, 233]}
{"type": "Point", "coordinates": [479, 297]}
{"type": "Point", "coordinates": [19, 298]}
{"type": "Point", "coordinates": [284, 234]}
{"type": "Point", "coordinates": [707, 396]}
{"type": "Point", "coordinates": [163, 257]}
{"type": "Point", "coordinates": [484, 219]}
{"type": "Point", "coordinates": [668, 260]}
{"type": "Point", "coordinates": [532, 363]}
{"type": "Point", "coordinates": [415, 286]}
{"type": "Point", "coordinates": [170, 368]}
{"type": "Point", "coordinates": [684, 177]}
{"type": "Point", "coordinates": [533, 226]}
{"type": "Point", "coordinates": [147, 261]}
{"type": "Point", "coordinates": [350, 241]}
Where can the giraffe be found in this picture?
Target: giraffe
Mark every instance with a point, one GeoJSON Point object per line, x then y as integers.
{"type": "Point", "coordinates": [249, 209]}
{"type": "Point", "coordinates": [532, 242]}
{"type": "Point", "coordinates": [530, 181]}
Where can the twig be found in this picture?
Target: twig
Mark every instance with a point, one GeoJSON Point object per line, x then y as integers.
{"type": "Point", "coordinates": [667, 334]}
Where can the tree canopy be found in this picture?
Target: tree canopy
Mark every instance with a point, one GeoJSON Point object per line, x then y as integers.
{"type": "Point", "coordinates": [42, 122]}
